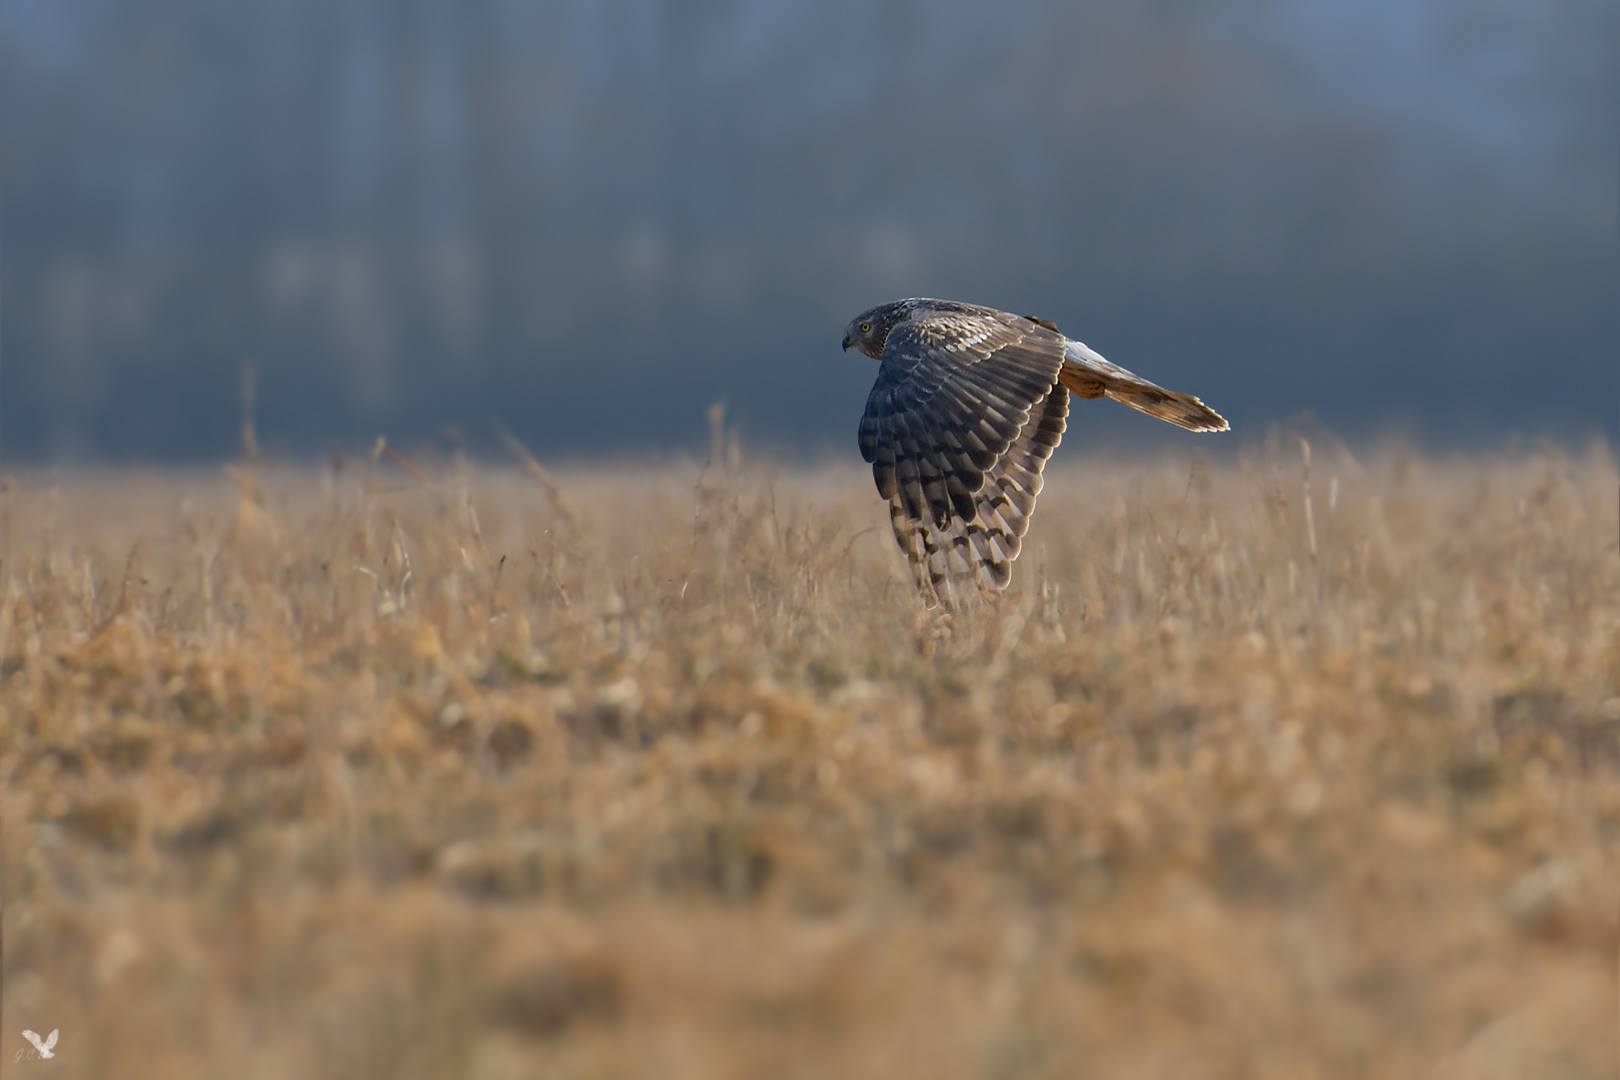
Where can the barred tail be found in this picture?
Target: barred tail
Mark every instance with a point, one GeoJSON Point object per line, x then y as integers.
{"type": "Point", "coordinates": [1087, 374]}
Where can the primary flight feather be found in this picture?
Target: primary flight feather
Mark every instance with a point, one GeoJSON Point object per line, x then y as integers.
{"type": "Point", "coordinates": [968, 405]}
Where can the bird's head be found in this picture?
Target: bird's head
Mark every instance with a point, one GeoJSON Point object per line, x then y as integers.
{"type": "Point", "coordinates": [870, 329]}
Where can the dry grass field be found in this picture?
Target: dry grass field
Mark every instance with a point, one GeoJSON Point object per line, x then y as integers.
{"type": "Point", "coordinates": [445, 773]}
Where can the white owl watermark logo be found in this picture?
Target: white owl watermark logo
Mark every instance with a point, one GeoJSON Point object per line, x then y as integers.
{"type": "Point", "coordinates": [42, 1047]}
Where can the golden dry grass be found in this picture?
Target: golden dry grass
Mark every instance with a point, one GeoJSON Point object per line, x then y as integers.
{"type": "Point", "coordinates": [365, 776]}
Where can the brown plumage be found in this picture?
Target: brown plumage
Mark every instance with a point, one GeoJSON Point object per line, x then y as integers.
{"type": "Point", "coordinates": [968, 405]}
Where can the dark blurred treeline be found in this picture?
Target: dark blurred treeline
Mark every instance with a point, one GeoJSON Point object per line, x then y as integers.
{"type": "Point", "coordinates": [590, 219]}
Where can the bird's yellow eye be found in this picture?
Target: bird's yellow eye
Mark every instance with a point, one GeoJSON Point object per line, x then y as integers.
{"type": "Point", "coordinates": [866, 328]}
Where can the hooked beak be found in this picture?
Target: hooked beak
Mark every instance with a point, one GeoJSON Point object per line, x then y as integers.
{"type": "Point", "coordinates": [847, 342]}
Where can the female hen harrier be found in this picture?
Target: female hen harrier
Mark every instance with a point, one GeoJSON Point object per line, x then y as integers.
{"type": "Point", "coordinates": [968, 405]}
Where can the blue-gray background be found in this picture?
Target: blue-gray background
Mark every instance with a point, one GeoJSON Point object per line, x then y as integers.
{"type": "Point", "coordinates": [592, 218]}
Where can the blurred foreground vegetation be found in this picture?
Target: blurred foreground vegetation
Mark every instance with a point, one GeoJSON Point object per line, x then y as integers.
{"type": "Point", "coordinates": [467, 772]}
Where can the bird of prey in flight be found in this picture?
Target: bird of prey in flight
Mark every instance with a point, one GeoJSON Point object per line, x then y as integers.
{"type": "Point", "coordinates": [968, 405]}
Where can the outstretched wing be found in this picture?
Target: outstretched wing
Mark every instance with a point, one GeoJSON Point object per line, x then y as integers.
{"type": "Point", "coordinates": [1086, 373]}
{"type": "Point", "coordinates": [965, 412]}
{"type": "Point", "coordinates": [50, 1040]}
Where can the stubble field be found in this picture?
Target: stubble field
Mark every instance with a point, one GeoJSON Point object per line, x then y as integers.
{"type": "Point", "coordinates": [443, 772]}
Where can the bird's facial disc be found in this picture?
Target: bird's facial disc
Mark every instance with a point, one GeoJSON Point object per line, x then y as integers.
{"type": "Point", "coordinates": [864, 334]}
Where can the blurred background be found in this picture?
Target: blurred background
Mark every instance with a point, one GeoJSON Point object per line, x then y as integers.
{"type": "Point", "coordinates": [590, 219]}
